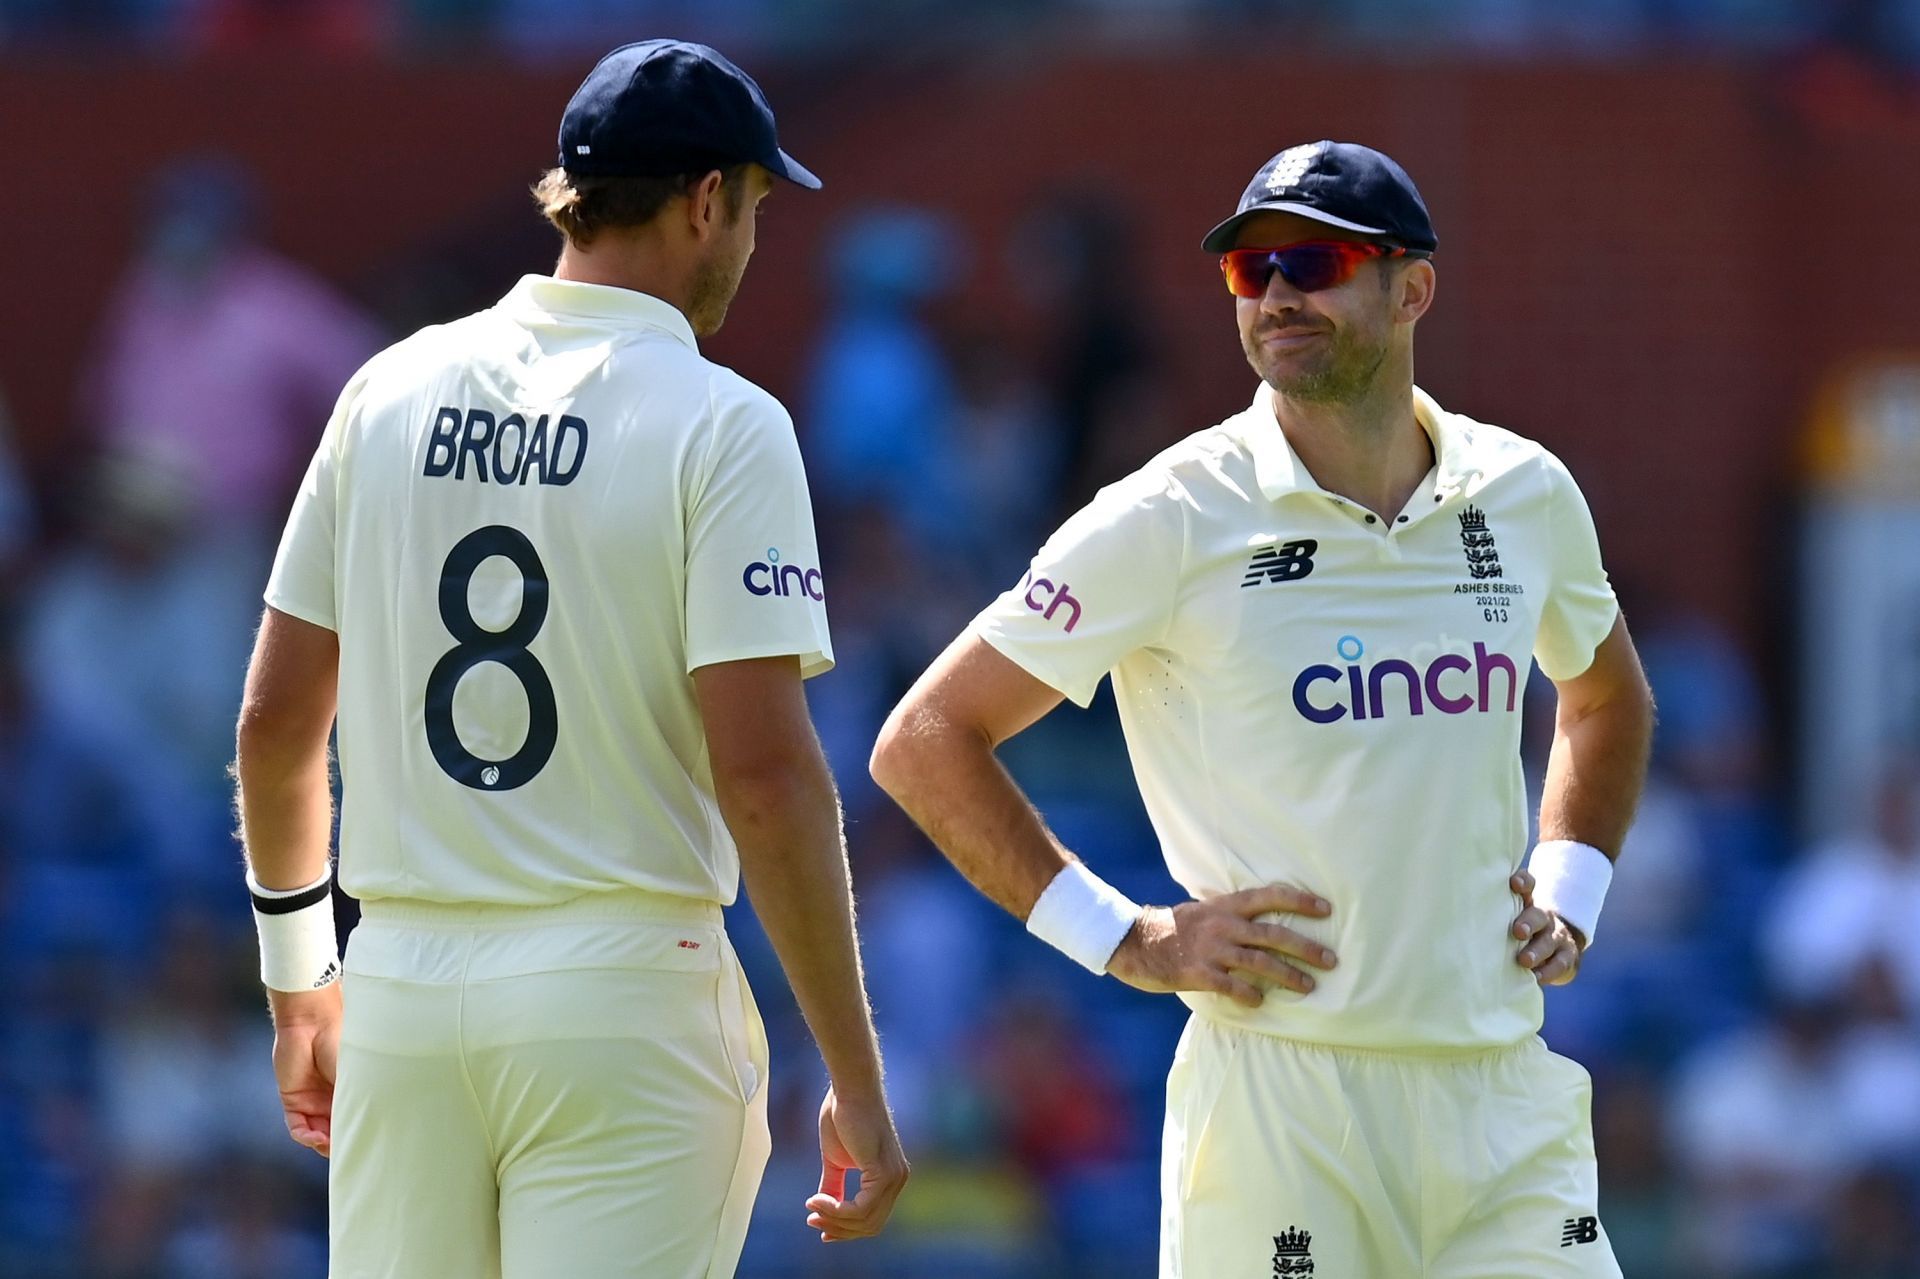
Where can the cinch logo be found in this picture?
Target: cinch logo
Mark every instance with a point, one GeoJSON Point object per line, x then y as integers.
{"type": "Point", "coordinates": [771, 577]}
{"type": "Point", "coordinates": [1365, 689]}
{"type": "Point", "coordinates": [1046, 599]}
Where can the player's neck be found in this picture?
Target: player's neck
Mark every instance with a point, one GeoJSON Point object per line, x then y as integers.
{"type": "Point", "coordinates": [623, 264]}
{"type": "Point", "coordinates": [1372, 450]}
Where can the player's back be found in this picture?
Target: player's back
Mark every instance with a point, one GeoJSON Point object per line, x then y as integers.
{"type": "Point", "coordinates": [545, 515]}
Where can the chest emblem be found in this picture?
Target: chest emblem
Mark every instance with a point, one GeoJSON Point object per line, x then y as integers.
{"type": "Point", "coordinates": [1287, 562]}
{"type": "Point", "coordinates": [1476, 539]}
{"type": "Point", "coordinates": [1293, 1252]}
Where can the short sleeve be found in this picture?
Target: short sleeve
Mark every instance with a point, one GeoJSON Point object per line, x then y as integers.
{"type": "Point", "coordinates": [1580, 606]}
{"type": "Point", "coordinates": [1101, 588]}
{"type": "Point", "coordinates": [302, 581]}
{"type": "Point", "coordinates": [754, 586]}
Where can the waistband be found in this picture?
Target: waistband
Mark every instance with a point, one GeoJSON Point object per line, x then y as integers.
{"type": "Point", "coordinates": [1432, 1054]}
{"type": "Point", "coordinates": [611, 906]}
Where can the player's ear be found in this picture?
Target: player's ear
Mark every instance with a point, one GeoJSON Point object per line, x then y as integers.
{"type": "Point", "coordinates": [1413, 290]}
{"type": "Point", "coordinates": [706, 211]}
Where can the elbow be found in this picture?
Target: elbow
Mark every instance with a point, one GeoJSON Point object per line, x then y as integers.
{"type": "Point", "coordinates": [253, 740]}
{"type": "Point", "coordinates": [769, 783]}
{"type": "Point", "coordinates": [883, 765]}
{"type": "Point", "coordinates": [891, 765]}
{"type": "Point", "coordinates": [267, 746]}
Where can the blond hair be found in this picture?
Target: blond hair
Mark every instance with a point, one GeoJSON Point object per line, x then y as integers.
{"type": "Point", "coordinates": [581, 206]}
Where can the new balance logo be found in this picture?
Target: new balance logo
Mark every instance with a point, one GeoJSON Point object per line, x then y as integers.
{"type": "Point", "coordinates": [1287, 562]}
{"type": "Point", "coordinates": [1579, 1230]}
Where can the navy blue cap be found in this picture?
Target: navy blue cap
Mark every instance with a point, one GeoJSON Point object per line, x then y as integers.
{"type": "Point", "coordinates": [661, 107]}
{"type": "Point", "coordinates": [1342, 184]}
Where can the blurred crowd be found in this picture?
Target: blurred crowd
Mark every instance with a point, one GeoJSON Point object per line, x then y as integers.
{"type": "Point", "coordinates": [1884, 29]}
{"type": "Point", "coordinates": [1752, 1016]}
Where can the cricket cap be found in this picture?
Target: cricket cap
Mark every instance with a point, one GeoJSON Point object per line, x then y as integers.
{"type": "Point", "coordinates": [661, 107]}
{"type": "Point", "coordinates": [1342, 184]}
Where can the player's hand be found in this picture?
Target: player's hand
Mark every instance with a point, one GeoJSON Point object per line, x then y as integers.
{"type": "Point", "coordinates": [306, 1046]}
{"type": "Point", "coordinates": [1553, 946]}
{"type": "Point", "coordinates": [1221, 946]}
{"type": "Point", "coordinates": [856, 1136]}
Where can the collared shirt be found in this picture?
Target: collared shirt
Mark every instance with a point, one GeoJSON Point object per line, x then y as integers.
{"type": "Point", "coordinates": [529, 527]}
{"type": "Point", "coordinates": [1321, 695]}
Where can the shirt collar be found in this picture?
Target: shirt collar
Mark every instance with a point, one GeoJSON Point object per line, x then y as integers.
{"type": "Point", "coordinates": [1280, 471]}
{"type": "Point", "coordinates": [544, 295]}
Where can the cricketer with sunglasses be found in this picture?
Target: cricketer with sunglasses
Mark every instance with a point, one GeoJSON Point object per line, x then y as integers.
{"type": "Point", "coordinates": [1317, 616]}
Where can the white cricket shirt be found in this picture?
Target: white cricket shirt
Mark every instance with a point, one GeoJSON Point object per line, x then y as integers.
{"type": "Point", "coordinates": [1316, 696]}
{"type": "Point", "coordinates": [529, 527]}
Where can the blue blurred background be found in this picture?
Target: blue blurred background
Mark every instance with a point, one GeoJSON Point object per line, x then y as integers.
{"type": "Point", "coordinates": [1675, 241]}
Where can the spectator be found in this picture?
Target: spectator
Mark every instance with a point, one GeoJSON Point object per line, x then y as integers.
{"type": "Point", "coordinates": [159, 712]}
{"type": "Point", "coordinates": [881, 415]}
{"type": "Point", "coordinates": [1854, 900]}
{"type": "Point", "coordinates": [1764, 1140]}
{"type": "Point", "coordinates": [1636, 1173]}
{"type": "Point", "coordinates": [1771, 1125]}
{"type": "Point", "coordinates": [1007, 460]}
{"type": "Point", "coordinates": [180, 1073]}
{"type": "Point", "coordinates": [249, 1223]}
{"type": "Point", "coordinates": [1061, 1107]}
{"type": "Point", "coordinates": [1874, 1235]}
{"type": "Point", "coordinates": [1104, 379]}
{"type": "Point", "coordinates": [218, 357]}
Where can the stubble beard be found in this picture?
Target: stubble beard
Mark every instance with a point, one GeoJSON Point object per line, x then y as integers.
{"type": "Point", "coordinates": [1344, 374]}
{"type": "Point", "coordinates": [713, 290]}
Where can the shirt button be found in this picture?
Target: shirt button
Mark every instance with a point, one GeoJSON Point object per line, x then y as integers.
{"type": "Point", "coordinates": [1403, 519]}
{"type": "Point", "coordinates": [1371, 520]}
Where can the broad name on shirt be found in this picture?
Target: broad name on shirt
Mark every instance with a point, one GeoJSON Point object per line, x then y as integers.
{"type": "Point", "coordinates": [505, 449]}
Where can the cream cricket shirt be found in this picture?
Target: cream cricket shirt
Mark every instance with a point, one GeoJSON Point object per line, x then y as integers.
{"type": "Point", "coordinates": [1317, 696]}
{"type": "Point", "coordinates": [528, 528]}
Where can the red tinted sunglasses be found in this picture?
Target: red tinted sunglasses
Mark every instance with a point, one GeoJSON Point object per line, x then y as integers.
{"type": "Point", "coordinates": [1309, 266]}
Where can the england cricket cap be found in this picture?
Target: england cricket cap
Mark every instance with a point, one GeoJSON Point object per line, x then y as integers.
{"type": "Point", "coordinates": [661, 107]}
{"type": "Point", "coordinates": [1342, 184]}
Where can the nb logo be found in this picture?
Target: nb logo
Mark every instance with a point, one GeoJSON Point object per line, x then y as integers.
{"type": "Point", "coordinates": [1287, 562]}
{"type": "Point", "coordinates": [1579, 1230]}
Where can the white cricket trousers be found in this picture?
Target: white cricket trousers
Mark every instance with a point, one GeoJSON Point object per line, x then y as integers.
{"type": "Point", "coordinates": [1287, 1158]}
{"type": "Point", "coordinates": [555, 1092]}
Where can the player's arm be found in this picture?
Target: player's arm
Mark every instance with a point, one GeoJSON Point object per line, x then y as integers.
{"type": "Point", "coordinates": [936, 758]}
{"type": "Point", "coordinates": [286, 822]}
{"type": "Point", "coordinates": [1603, 731]}
{"type": "Point", "coordinates": [777, 796]}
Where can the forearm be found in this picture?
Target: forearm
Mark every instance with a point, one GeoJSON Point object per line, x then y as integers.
{"type": "Point", "coordinates": [286, 825]}
{"type": "Point", "coordinates": [286, 814]}
{"type": "Point", "coordinates": [949, 781]}
{"type": "Point", "coordinates": [786, 825]}
{"type": "Point", "coordinates": [1595, 771]}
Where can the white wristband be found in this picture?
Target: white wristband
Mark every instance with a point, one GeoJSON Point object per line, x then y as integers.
{"type": "Point", "coordinates": [299, 949]}
{"type": "Point", "coordinates": [1083, 917]}
{"type": "Point", "coordinates": [1570, 879]}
